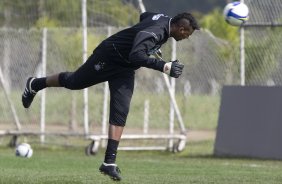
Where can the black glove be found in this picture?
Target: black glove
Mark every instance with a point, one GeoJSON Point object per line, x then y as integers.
{"type": "Point", "coordinates": [173, 68]}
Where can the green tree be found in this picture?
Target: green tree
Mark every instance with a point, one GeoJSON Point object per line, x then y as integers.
{"type": "Point", "coordinates": [260, 59]}
{"type": "Point", "coordinates": [17, 13]}
{"type": "Point", "coordinates": [66, 13]}
{"type": "Point", "coordinates": [112, 12]}
{"type": "Point", "coordinates": [216, 24]}
{"type": "Point", "coordinates": [261, 54]}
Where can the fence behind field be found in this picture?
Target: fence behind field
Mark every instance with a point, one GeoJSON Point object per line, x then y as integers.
{"type": "Point", "coordinates": [210, 63]}
{"type": "Point", "coordinates": [64, 107]}
{"type": "Point", "coordinates": [263, 36]}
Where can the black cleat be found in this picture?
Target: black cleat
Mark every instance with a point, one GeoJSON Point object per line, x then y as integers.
{"type": "Point", "coordinates": [28, 94]}
{"type": "Point", "coordinates": [111, 170]}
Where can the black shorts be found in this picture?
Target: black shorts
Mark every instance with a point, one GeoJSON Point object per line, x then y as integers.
{"type": "Point", "coordinates": [99, 68]}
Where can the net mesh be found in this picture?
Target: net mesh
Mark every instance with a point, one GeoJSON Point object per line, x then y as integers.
{"type": "Point", "coordinates": [210, 62]}
{"type": "Point", "coordinates": [263, 56]}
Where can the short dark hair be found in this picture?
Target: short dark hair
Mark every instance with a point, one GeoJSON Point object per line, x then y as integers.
{"type": "Point", "coordinates": [188, 16]}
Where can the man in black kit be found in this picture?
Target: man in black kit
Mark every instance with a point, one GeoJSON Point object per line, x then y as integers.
{"type": "Point", "coordinates": [115, 60]}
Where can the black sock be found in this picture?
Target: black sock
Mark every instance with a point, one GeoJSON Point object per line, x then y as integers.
{"type": "Point", "coordinates": [111, 152]}
{"type": "Point", "coordinates": [38, 84]}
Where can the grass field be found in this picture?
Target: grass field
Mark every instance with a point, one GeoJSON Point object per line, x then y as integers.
{"type": "Point", "coordinates": [194, 165]}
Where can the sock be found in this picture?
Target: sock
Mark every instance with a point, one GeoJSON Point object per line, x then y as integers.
{"type": "Point", "coordinates": [38, 84]}
{"type": "Point", "coordinates": [111, 152]}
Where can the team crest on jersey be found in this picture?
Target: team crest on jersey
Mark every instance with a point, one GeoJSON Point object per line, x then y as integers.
{"type": "Point", "coordinates": [156, 17]}
{"type": "Point", "coordinates": [99, 66]}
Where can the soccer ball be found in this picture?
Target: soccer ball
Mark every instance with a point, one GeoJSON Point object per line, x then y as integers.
{"type": "Point", "coordinates": [24, 150]}
{"type": "Point", "coordinates": [236, 13]}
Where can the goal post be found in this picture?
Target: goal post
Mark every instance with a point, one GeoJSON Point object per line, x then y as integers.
{"type": "Point", "coordinates": [11, 105]}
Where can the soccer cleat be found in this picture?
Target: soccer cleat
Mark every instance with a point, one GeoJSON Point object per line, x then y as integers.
{"type": "Point", "coordinates": [111, 170]}
{"type": "Point", "coordinates": [28, 94]}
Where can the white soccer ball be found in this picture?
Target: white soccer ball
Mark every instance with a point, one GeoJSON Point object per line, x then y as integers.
{"type": "Point", "coordinates": [236, 13]}
{"type": "Point", "coordinates": [24, 150]}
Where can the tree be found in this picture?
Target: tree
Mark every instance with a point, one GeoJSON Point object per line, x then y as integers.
{"type": "Point", "coordinates": [262, 54]}
{"type": "Point", "coordinates": [215, 23]}
{"type": "Point", "coordinates": [260, 59]}
{"type": "Point", "coordinates": [67, 13]}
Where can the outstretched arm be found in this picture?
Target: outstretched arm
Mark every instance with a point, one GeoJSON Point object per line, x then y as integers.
{"type": "Point", "coordinates": [144, 44]}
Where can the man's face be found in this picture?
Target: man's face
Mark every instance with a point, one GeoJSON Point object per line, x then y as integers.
{"type": "Point", "coordinates": [183, 32]}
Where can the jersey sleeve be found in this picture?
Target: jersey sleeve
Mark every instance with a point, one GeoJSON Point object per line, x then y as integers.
{"type": "Point", "coordinates": [144, 42]}
{"type": "Point", "coordinates": [145, 15]}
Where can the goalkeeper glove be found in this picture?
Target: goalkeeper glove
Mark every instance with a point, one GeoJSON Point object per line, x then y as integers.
{"type": "Point", "coordinates": [173, 68]}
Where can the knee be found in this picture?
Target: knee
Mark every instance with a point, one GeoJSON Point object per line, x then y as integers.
{"type": "Point", "coordinates": [65, 80]}
{"type": "Point", "coordinates": [117, 124]}
{"type": "Point", "coordinates": [118, 116]}
{"type": "Point", "coordinates": [119, 109]}
{"type": "Point", "coordinates": [118, 119]}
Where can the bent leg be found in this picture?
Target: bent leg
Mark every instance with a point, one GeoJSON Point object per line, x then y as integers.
{"type": "Point", "coordinates": [85, 76]}
{"type": "Point", "coordinates": [95, 70]}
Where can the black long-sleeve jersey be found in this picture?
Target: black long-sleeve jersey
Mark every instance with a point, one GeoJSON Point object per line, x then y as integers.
{"type": "Point", "coordinates": [132, 47]}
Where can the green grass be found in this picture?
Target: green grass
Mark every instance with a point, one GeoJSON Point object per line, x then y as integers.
{"type": "Point", "coordinates": [194, 165]}
{"type": "Point", "coordinates": [199, 112]}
